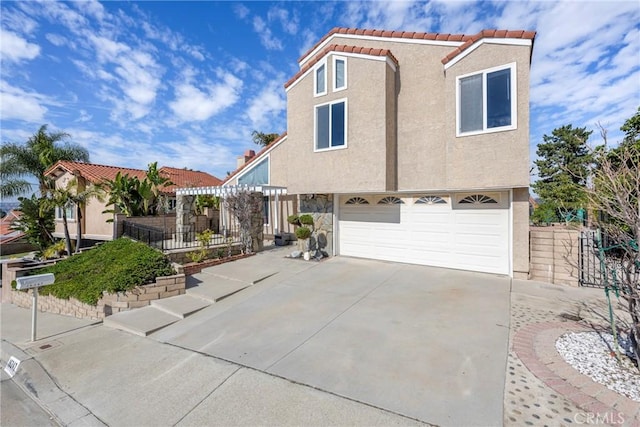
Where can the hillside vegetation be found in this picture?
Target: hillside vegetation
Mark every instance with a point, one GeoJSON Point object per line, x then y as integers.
{"type": "Point", "coordinates": [115, 266]}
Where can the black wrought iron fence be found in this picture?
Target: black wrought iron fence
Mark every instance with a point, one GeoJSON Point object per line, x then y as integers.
{"type": "Point", "coordinates": [599, 260]}
{"type": "Point", "coordinates": [170, 240]}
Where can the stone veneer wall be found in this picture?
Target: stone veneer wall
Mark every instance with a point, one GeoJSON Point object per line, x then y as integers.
{"type": "Point", "coordinates": [140, 296]}
{"type": "Point", "coordinates": [320, 207]}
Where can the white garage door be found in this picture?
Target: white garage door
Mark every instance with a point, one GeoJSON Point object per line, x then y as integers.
{"type": "Point", "coordinates": [462, 231]}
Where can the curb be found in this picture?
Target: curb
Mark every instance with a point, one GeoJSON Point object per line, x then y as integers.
{"type": "Point", "coordinates": [534, 344]}
{"type": "Point", "coordinates": [36, 382]}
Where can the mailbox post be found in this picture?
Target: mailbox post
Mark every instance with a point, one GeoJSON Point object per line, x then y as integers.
{"type": "Point", "coordinates": [34, 282]}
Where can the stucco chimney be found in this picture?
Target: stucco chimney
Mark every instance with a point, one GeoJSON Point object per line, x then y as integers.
{"type": "Point", "coordinates": [248, 155]}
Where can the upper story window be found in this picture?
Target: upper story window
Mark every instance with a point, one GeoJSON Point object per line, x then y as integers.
{"type": "Point", "coordinates": [256, 175]}
{"type": "Point", "coordinates": [486, 101]}
{"type": "Point", "coordinates": [339, 73]}
{"type": "Point", "coordinates": [331, 125]}
{"type": "Point", "coordinates": [320, 79]}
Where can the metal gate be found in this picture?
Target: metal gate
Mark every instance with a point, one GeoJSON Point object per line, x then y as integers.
{"type": "Point", "coordinates": [599, 262]}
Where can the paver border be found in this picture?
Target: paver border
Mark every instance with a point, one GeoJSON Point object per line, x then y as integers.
{"type": "Point", "coordinates": [534, 344]}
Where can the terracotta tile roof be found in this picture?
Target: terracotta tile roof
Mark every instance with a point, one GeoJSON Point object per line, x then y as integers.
{"type": "Point", "coordinates": [260, 153]}
{"type": "Point", "coordinates": [5, 223]}
{"type": "Point", "coordinates": [92, 172]}
{"type": "Point", "coordinates": [97, 173]}
{"type": "Point", "coordinates": [465, 39]}
{"type": "Point", "coordinates": [188, 178]}
{"type": "Point", "coordinates": [393, 34]}
{"type": "Point", "coordinates": [340, 48]}
{"type": "Point", "coordinates": [498, 34]}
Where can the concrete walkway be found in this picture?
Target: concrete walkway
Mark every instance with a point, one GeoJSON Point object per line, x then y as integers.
{"type": "Point", "coordinates": [340, 342]}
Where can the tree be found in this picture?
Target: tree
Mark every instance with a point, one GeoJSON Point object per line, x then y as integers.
{"type": "Point", "coordinates": [133, 197]}
{"type": "Point", "coordinates": [263, 139]}
{"type": "Point", "coordinates": [41, 151]}
{"type": "Point", "coordinates": [123, 194]}
{"type": "Point", "coordinates": [157, 183]}
{"type": "Point", "coordinates": [631, 129]}
{"type": "Point", "coordinates": [35, 221]}
{"type": "Point", "coordinates": [246, 207]}
{"type": "Point", "coordinates": [61, 198]}
{"type": "Point", "coordinates": [615, 193]}
{"type": "Point", "coordinates": [563, 168]}
{"type": "Point", "coordinates": [80, 197]}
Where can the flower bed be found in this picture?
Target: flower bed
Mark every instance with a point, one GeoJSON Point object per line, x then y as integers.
{"type": "Point", "coordinates": [196, 267]}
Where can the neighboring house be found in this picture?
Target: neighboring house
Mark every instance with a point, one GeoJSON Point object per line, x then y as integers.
{"type": "Point", "coordinates": [95, 225]}
{"type": "Point", "coordinates": [409, 147]}
{"type": "Point", "coordinates": [7, 234]}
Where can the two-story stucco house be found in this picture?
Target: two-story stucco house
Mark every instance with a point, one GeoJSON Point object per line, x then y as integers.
{"type": "Point", "coordinates": [415, 144]}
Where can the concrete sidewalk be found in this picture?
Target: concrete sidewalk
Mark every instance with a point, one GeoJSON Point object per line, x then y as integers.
{"type": "Point", "coordinates": [93, 375]}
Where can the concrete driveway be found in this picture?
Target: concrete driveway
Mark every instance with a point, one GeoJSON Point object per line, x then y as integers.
{"type": "Point", "coordinates": [427, 343]}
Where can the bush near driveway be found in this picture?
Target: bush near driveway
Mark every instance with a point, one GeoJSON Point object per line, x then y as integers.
{"type": "Point", "coordinates": [115, 266]}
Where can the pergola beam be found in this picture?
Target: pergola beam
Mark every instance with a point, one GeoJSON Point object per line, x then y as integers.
{"type": "Point", "coordinates": [221, 191]}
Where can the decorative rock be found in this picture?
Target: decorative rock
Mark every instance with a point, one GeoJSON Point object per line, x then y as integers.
{"type": "Point", "coordinates": [296, 254]}
{"type": "Point", "coordinates": [590, 354]}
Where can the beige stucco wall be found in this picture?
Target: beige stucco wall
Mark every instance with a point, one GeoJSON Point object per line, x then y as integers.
{"type": "Point", "coordinates": [94, 225]}
{"type": "Point", "coordinates": [520, 232]}
{"type": "Point", "coordinates": [497, 159]}
{"type": "Point", "coordinates": [429, 155]}
{"type": "Point", "coordinates": [362, 165]}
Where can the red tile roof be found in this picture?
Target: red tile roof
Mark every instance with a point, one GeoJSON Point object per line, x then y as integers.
{"type": "Point", "coordinates": [519, 34]}
{"type": "Point", "coordinates": [6, 233]}
{"type": "Point", "coordinates": [260, 153]}
{"type": "Point", "coordinates": [98, 173]}
{"type": "Point", "coordinates": [340, 48]}
{"type": "Point", "coordinates": [466, 40]}
{"type": "Point", "coordinates": [188, 178]}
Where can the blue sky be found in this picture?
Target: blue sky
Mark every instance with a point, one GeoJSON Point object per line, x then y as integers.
{"type": "Point", "coordinates": [185, 83]}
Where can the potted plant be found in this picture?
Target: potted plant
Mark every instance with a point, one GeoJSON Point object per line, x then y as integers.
{"type": "Point", "coordinates": [303, 233]}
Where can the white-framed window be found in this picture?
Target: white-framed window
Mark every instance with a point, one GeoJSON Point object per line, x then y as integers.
{"type": "Point", "coordinates": [486, 101]}
{"type": "Point", "coordinates": [70, 212]}
{"type": "Point", "coordinates": [339, 73]}
{"type": "Point", "coordinates": [257, 174]}
{"type": "Point", "coordinates": [320, 79]}
{"type": "Point", "coordinates": [330, 122]}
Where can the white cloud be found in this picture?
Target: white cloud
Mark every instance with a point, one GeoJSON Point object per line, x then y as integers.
{"type": "Point", "coordinates": [241, 10]}
{"type": "Point", "coordinates": [194, 103]}
{"type": "Point", "coordinates": [266, 105]}
{"type": "Point", "coordinates": [14, 48]}
{"type": "Point", "coordinates": [84, 116]}
{"type": "Point", "coordinates": [393, 15]}
{"type": "Point", "coordinates": [17, 21]}
{"type": "Point", "coordinates": [289, 23]}
{"type": "Point", "coordinates": [56, 39]}
{"type": "Point", "coordinates": [267, 39]}
{"type": "Point", "coordinates": [21, 105]}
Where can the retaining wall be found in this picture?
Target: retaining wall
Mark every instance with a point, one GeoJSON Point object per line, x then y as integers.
{"type": "Point", "coordinates": [140, 296]}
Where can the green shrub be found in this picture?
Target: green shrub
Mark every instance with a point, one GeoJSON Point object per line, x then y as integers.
{"type": "Point", "coordinates": [115, 266]}
{"type": "Point", "coordinates": [303, 233]}
{"type": "Point", "coordinates": [306, 219]}
{"type": "Point", "coordinates": [293, 220]}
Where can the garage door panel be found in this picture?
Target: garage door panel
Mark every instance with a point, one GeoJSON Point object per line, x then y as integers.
{"type": "Point", "coordinates": [474, 238]}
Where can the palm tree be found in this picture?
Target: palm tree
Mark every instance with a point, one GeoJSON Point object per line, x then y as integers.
{"type": "Point", "coordinates": [41, 151]}
{"type": "Point", "coordinates": [61, 198]}
{"type": "Point", "coordinates": [80, 199]}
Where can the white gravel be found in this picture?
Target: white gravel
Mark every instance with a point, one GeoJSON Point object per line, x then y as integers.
{"type": "Point", "coordinates": [590, 354]}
